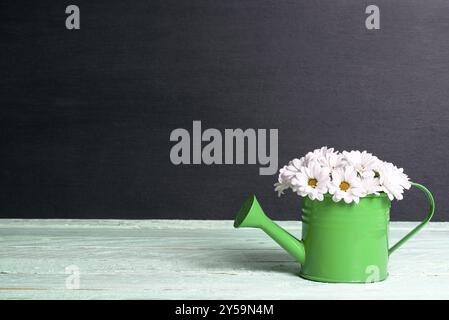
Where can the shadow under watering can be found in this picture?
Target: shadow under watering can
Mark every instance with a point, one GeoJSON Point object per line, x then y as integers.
{"type": "Point", "coordinates": [343, 243]}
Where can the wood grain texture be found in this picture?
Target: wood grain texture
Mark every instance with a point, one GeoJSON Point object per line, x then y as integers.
{"type": "Point", "coordinates": [181, 259]}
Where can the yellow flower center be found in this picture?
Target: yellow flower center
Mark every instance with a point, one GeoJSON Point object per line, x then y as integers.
{"type": "Point", "coordinates": [344, 186]}
{"type": "Point", "coordinates": [312, 183]}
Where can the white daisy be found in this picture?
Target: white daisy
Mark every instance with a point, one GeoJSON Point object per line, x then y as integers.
{"type": "Point", "coordinates": [371, 185]}
{"type": "Point", "coordinates": [393, 180]}
{"type": "Point", "coordinates": [284, 180]}
{"type": "Point", "coordinates": [345, 185]}
{"type": "Point", "coordinates": [363, 162]}
{"type": "Point", "coordinates": [286, 174]}
{"type": "Point", "coordinates": [332, 161]}
{"type": "Point", "coordinates": [317, 155]}
{"type": "Point", "coordinates": [296, 164]}
{"type": "Point", "coordinates": [311, 181]}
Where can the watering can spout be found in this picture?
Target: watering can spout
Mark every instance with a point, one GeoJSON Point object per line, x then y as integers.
{"type": "Point", "coordinates": [251, 215]}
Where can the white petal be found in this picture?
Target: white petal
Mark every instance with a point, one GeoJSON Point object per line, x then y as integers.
{"type": "Point", "coordinates": [297, 163]}
{"type": "Point", "coordinates": [347, 199]}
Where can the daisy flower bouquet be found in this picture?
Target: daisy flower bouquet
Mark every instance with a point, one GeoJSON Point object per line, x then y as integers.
{"type": "Point", "coordinates": [345, 176]}
{"type": "Point", "coordinates": [345, 214]}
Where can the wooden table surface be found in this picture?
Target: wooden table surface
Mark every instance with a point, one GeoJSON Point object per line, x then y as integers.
{"type": "Point", "coordinates": [182, 259]}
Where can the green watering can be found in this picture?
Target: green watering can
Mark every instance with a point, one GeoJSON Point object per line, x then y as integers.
{"type": "Point", "coordinates": [340, 242]}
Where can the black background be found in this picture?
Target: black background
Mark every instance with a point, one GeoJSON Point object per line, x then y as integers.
{"type": "Point", "coordinates": [86, 114]}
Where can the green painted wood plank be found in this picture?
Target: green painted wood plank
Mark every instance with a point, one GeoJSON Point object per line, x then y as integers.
{"type": "Point", "coordinates": [182, 259]}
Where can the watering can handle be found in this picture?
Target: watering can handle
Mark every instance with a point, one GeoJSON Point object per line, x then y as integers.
{"type": "Point", "coordinates": [422, 224]}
